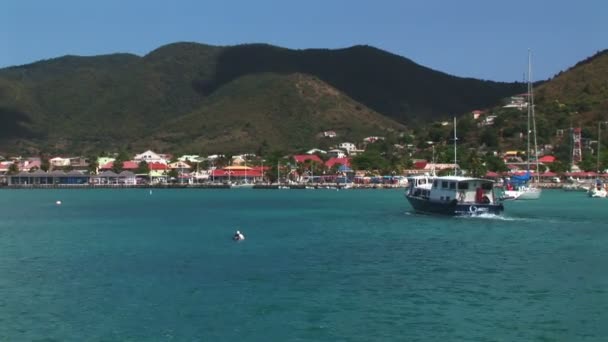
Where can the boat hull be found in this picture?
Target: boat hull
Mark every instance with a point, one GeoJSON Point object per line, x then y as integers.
{"type": "Point", "coordinates": [530, 194]}
{"type": "Point", "coordinates": [452, 208]}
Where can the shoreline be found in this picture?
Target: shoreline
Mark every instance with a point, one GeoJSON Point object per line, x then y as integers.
{"type": "Point", "coordinates": [197, 186]}
{"type": "Point", "coordinates": [273, 186]}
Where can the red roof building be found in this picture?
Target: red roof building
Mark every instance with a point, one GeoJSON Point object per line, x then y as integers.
{"type": "Point", "coordinates": [420, 164]}
{"type": "Point", "coordinates": [332, 161]}
{"type": "Point", "coordinates": [546, 159]}
{"type": "Point", "coordinates": [157, 166]}
{"type": "Point", "coordinates": [127, 165]}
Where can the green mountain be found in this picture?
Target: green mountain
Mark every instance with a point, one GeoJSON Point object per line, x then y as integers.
{"type": "Point", "coordinates": [577, 97]}
{"type": "Point", "coordinates": [580, 94]}
{"type": "Point", "coordinates": [201, 98]}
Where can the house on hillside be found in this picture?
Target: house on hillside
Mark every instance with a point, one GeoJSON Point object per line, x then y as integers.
{"type": "Point", "coordinates": [180, 166]}
{"type": "Point", "coordinates": [336, 153]}
{"type": "Point", "coordinates": [426, 167]}
{"type": "Point", "coordinates": [79, 163]}
{"type": "Point", "coordinates": [329, 134]}
{"type": "Point", "coordinates": [347, 146]}
{"type": "Point", "coordinates": [150, 157]}
{"type": "Point", "coordinates": [59, 162]}
{"type": "Point", "coordinates": [316, 150]}
{"type": "Point", "coordinates": [213, 157]}
{"type": "Point", "coordinates": [477, 113]}
{"type": "Point", "coordinates": [487, 121]}
{"type": "Point", "coordinates": [195, 158]}
{"type": "Point", "coordinates": [126, 165]}
{"type": "Point", "coordinates": [517, 101]}
{"type": "Point", "coordinates": [30, 164]}
{"type": "Point", "coordinates": [372, 139]}
{"type": "Point", "coordinates": [104, 160]}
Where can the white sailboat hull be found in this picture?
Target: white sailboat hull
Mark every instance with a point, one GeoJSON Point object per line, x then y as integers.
{"type": "Point", "coordinates": [530, 194]}
{"type": "Point", "coordinates": [595, 193]}
{"type": "Point", "coordinates": [526, 193]}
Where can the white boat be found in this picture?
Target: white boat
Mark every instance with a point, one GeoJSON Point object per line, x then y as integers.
{"type": "Point", "coordinates": [597, 192]}
{"type": "Point", "coordinates": [453, 195]}
{"type": "Point", "coordinates": [242, 185]}
{"type": "Point", "coordinates": [529, 193]}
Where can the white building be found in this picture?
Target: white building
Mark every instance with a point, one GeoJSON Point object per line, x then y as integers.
{"type": "Point", "coordinates": [150, 157]}
{"type": "Point", "coordinates": [59, 162]}
{"type": "Point", "coordinates": [348, 147]}
{"type": "Point", "coordinates": [518, 101]}
{"type": "Point", "coordinates": [215, 156]}
{"type": "Point", "coordinates": [372, 139]}
{"type": "Point", "coordinates": [336, 153]}
{"type": "Point", "coordinates": [195, 158]}
{"type": "Point", "coordinates": [329, 134]}
{"type": "Point", "coordinates": [316, 150]}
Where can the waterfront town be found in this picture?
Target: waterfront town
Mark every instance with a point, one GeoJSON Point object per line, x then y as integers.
{"type": "Point", "coordinates": [314, 168]}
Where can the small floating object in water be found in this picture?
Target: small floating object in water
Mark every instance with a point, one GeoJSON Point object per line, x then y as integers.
{"type": "Point", "coordinates": [238, 236]}
{"type": "Point", "coordinates": [150, 191]}
{"type": "Point", "coordinates": [58, 202]}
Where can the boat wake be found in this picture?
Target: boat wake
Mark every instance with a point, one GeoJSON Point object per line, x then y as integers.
{"type": "Point", "coordinates": [487, 216]}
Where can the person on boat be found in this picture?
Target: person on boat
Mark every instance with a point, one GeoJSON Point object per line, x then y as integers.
{"type": "Point", "coordinates": [238, 236]}
{"type": "Point", "coordinates": [479, 195]}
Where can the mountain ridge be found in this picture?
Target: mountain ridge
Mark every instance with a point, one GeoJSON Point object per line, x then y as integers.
{"type": "Point", "coordinates": [108, 101]}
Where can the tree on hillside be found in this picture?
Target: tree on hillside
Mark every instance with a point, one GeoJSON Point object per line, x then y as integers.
{"type": "Point", "coordinates": [475, 166]}
{"type": "Point", "coordinates": [93, 164]}
{"type": "Point", "coordinates": [44, 164]}
{"type": "Point", "coordinates": [118, 163]}
{"type": "Point", "coordinates": [494, 163]}
{"type": "Point", "coordinates": [489, 137]}
{"type": "Point", "coordinates": [172, 175]}
{"type": "Point", "coordinates": [143, 168]}
{"type": "Point", "coordinates": [558, 166]}
{"type": "Point", "coordinates": [588, 163]}
{"type": "Point", "coordinates": [13, 169]}
{"type": "Point", "coordinates": [369, 160]}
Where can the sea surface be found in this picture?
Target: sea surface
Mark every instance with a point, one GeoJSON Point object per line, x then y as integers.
{"type": "Point", "coordinates": [316, 265]}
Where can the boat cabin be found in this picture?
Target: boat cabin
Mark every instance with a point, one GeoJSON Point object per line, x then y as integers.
{"type": "Point", "coordinates": [420, 186]}
{"type": "Point", "coordinates": [453, 188]}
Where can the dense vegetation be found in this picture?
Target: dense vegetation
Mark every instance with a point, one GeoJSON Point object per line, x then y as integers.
{"type": "Point", "coordinates": [202, 98]}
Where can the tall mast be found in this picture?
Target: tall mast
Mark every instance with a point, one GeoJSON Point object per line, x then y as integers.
{"type": "Point", "coordinates": [529, 111]}
{"type": "Point", "coordinates": [533, 120]}
{"type": "Point", "coordinates": [599, 124]}
{"type": "Point", "coordinates": [455, 151]}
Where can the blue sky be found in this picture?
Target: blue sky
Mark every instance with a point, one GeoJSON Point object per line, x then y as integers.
{"type": "Point", "coordinates": [481, 39]}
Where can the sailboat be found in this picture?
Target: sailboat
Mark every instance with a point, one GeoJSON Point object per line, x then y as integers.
{"type": "Point", "coordinates": [598, 190]}
{"type": "Point", "coordinates": [524, 190]}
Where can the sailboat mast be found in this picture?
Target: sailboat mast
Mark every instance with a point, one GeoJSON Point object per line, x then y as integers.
{"type": "Point", "coordinates": [599, 124]}
{"type": "Point", "coordinates": [529, 111]}
{"type": "Point", "coordinates": [455, 150]}
{"type": "Point", "coordinates": [533, 120]}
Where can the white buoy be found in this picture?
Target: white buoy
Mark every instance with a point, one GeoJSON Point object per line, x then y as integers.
{"type": "Point", "coordinates": [58, 202]}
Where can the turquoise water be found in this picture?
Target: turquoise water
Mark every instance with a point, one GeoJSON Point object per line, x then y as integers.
{"type": "Point", "coordinates": [316, 265]}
